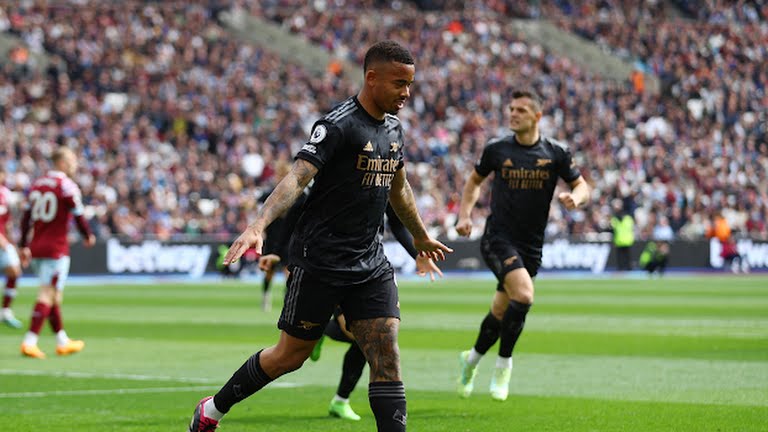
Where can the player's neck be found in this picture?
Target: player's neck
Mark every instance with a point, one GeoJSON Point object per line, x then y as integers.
{"type": "Point", "coordinates": [367, 103]}
{"type": "Point", "coordinates": [527, 138]}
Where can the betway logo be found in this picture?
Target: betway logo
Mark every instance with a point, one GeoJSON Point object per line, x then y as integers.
{"type": "Point", "coordinates": [756, 254]}
{"type": "Point", "coordinates": [155, 257]}
{"type": "Point", "coordinates": [561, 254]}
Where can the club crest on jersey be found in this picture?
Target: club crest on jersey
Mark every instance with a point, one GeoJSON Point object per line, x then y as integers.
{"type": "Point", "coordinates": [543, 162]}
{"type": "Point", "coordinates": [394, 146]}
{"type": "Point", "coordinates": [368, 147]}
{"type": "Point", "coordinates": [318, 134]}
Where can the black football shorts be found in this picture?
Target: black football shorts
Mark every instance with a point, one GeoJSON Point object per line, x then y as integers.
{"type": "Point", "coordinates": [502, 256]}
{"type": "Point", "coordinates": [309, 303]}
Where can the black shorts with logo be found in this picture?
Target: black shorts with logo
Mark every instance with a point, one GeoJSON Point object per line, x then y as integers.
{"type": "Point", "coordinates": [309, 303]}
{"type": "Point", "coordinates": [502, 256]}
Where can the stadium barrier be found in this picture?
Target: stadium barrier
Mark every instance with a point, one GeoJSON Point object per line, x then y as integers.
{"type": "Point", "coordinates": [197, 257]}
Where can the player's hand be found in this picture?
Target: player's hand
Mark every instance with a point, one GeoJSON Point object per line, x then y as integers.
{"type": "Point", "coordinates": [266, 262]}
{"type": "Point", "coordinates": [25, 256]}
{"type": "Point", "coordinates": [425, 265]}
{"type": "Point", "coordinates": [431, 248]}
{"type": "Point", "coordinates": [566, 198]}
{"type": "Point", "coordinates": [89, 241]}
{"type": "Point", "coordinates": [250, 238]}
{"type": "Point", "coordinates": [464, 227]}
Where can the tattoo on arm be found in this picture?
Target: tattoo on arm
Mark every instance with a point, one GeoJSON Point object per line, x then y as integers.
{"type": "Point", "coordinates": [403, 202]}
{"type": "Point", "coordinates": [377, 338]}
{"type": "Point", "coordinates": [286, 192]}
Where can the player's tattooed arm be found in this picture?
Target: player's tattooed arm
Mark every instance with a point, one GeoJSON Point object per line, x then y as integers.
{"type": "Point", "coordinates": [377, 338]}
{"type": "Point", "coordinates": [403, 202]}
{"type": "Point", "coordinates": [285, 194]}
{"type": "Point", "coordinates": [278, 202]}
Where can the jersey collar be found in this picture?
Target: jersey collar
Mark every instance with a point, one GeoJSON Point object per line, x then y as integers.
{"type": "Point", "coordinates": [369, 117]}
{"type": "Point", "coordinates": [517, 143]}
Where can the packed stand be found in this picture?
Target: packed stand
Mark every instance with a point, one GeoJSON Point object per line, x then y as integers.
{"type": "Point", "coordinates": [179, 125]}
{"type": "Point", "coordinates": [712, 61]}
{"type": "Point", "coordinates": [182, 127]}
{"type": "Point", "coordinates": [675, 158]}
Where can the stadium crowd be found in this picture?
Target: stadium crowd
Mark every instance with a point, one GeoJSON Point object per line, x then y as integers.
{"type": "Point", "coordinates": [181, 126]}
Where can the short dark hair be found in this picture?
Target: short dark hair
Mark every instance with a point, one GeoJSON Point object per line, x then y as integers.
{"type": "Point", "coordinates": [530, 94]}
{"type": "Point", "coordinates": [387, 51]}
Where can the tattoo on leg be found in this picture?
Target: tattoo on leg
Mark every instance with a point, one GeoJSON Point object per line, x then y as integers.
{"type": "Point", "coordinates": [377, 339]}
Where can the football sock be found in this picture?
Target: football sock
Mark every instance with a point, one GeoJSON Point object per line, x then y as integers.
{"type": "Point", "coordinates": [489, 334]}
{"type": "Point", "coordinates": [30, 338]}
{"type": "Point", "coordinates": [504, 362]}
{"type": "Point", "coordinates": [267, 283]}
{"type": "Point", "coordinates": [10, 292]}
{"type": "Point", "coordinates": [61, 337]}
{"type": "Point", "coordinates": [210, 410]}
{"type": "Point", "coordinates": [387, 401]}
{"type": "Point", "coordinates": [39, 314]}
{"type": "Point", "coordinates": [246, 381]}
{"type": "Point", "coordinates": [54, 317]}
{"type": "Point", "coordinates": [351, 370]}
{"type": "Point", "coordinates": [474, 357]}
{"type": "Point", "coordinates": [338, 398]}
{"type": "Point", "coordinates": [511, 326]}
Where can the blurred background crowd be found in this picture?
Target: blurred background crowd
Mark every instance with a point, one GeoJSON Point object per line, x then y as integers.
{"type": "Point", "coordinates": [181, 126]}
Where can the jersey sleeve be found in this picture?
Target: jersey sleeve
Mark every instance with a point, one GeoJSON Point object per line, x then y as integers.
{"type": "Point", "coordinates": [325, 139]}
{"type": "Point", "coordinates": [567, 169]}
{"type": "Point", "coordinates": [72, 197]}
{"type": "Point", "coordinates": [485, 165]}
{"type": "Point", "coordinates": [400, 232]}
{"type": "Point", "coordinates": [400, 154]}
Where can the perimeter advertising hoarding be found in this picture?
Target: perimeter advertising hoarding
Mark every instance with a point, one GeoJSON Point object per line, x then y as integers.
{"type": "Point", "coordinates": [195, 258]}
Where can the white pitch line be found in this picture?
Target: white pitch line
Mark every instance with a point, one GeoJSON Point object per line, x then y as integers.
{"type": "Point", "coordinates": [86, 375]}
{"type": "Point", "coordinates": [128, 377]}
{"type": "Point", "coordinates": [105, 391]}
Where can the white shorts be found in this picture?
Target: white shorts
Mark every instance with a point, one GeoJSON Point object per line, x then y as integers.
{"type": "Point", "coordinates": [9, 257]}
{"type": "Point", "coordinates": [52, 271]}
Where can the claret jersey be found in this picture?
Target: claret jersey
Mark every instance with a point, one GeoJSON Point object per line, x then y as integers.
{"type": "Point", "coordinates": [52, 201]}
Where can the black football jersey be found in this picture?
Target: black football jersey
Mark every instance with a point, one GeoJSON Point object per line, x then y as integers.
{"type": "Point", "coordinates": [335, 238]}
{"type": "Point", "coordinates": [523, 185]}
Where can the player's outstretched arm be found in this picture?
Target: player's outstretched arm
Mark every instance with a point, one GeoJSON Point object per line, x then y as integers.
{"type": "Point", "coordinates": [278, 202]}
{"type": "Point", "coordinates": [578, 195]}
{"type": "Point", "coordinates": [469, 197]}
{"type": "Point", "coordinates": [403, 202]}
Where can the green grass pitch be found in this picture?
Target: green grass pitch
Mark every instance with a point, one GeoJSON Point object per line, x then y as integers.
{"type": "Point", "coordinates": [677, 354]}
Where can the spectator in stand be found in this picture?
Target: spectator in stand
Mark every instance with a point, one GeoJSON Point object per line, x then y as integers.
{"type": "Point", "coordinates": [719, 228]}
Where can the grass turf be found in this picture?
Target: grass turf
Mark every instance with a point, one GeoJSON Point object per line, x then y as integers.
{"type": "Point", "coordinates": [674, 354]}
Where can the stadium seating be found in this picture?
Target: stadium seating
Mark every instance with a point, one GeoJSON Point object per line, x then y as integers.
{"type": "Point", "coordinates": [180, 124]}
